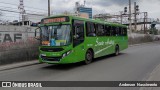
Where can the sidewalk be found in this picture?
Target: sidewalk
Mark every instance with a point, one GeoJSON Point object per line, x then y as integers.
{"type": "Point", "coordinates": [19, 64]}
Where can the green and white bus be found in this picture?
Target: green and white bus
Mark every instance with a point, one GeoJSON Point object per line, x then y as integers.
{"type": "Point", "coordinates": [71, 39]}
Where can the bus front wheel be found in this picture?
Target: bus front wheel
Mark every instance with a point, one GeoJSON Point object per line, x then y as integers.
{"type": "Point", "coordinates": [88, 57]}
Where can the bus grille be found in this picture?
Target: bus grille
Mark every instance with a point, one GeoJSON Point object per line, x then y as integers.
{"type": "Point", "coordinates": [51, 49]}
{"type": "Point", "coordinates": [50, 58]}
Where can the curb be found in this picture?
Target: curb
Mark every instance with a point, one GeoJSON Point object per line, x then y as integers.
{"type": "Point", "coordinates": [143, 43]}
{"type": "Point", "coordinates": [18, 65]}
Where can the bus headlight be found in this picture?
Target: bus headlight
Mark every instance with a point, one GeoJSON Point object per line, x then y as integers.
{"type": "Point", "coordinates": [66, 54]}
{"type": "Point", "coordinates": [43, 55]}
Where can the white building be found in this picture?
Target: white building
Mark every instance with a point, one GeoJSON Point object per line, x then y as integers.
{"type": "Point", "coordinates": [36, 18]}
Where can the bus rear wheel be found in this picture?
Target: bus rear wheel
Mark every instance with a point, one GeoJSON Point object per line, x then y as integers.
{"type": "Point", "coordinates": [88, 57]}
{"type": "Point", "coordinates": [116, 50]}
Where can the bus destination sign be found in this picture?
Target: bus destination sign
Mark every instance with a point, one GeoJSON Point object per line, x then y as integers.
{"type": "Point", "coordinates": [55, 20]}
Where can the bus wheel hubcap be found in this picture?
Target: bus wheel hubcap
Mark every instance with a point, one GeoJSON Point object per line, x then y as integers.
{"type": "Point", "coordinates": [117, 51]}
{"type": "Point", "coordinates": [89, 56]}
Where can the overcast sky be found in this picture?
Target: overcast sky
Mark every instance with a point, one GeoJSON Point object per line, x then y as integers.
{"type": "Point", "coordinates": [99, 6]}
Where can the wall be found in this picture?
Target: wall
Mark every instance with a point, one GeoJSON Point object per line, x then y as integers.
{"type": "Point", "coordinates": [17, 44]}
{"type": "Point", "coordinates": [142, 38]}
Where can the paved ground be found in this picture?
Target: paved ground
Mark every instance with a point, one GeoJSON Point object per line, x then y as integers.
{"type": "Point", "coordinates": [137, 63]}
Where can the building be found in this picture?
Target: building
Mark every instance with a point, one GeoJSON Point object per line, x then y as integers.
{"type": "Point", "coordinates": [85, 10]}
{"type": "Point", "coordinates": [36, 17]}
{"type": "Point", "coordinates": [81, 9]}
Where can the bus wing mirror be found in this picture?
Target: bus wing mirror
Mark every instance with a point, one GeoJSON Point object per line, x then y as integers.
{"type": "Point", "coordinates": [37, 31]}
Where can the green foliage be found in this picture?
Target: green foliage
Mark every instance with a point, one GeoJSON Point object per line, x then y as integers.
{"type": "Point", "coordinates": [153, 31]}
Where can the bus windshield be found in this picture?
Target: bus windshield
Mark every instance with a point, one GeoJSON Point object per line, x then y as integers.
{"type": "Point", "coordinates": [60, 34]}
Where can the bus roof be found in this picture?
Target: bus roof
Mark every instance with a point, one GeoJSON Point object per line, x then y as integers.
{"type": "Point", "coordinates": [90, 20]}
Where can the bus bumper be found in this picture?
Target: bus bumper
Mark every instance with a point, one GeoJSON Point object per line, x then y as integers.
{"type": "Point", "coordinates": [58, 60]}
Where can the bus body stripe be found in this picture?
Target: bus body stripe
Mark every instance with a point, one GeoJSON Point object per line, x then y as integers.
{"type": "Point", "coordinates": [102, 49]}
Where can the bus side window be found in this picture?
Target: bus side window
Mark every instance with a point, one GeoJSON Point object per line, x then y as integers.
{"type": "Point", "coordinates": [100, 30]}
{"type": "Point", "coordinates": [90, 28]}
{"type": "Point", "coordinates": [124, 31]}
{"type": "Point", "coordinates": [93, 30]}
{"type": "Point", "coordinates": [103, 30]}
{"type": "Point", "coordinates": [120, 31]}
{"type": "Point", "coordinates": [113, 31]}
{"type": "Point", "coordinates": [80, 32]}
{"type": "Point", "coordinates": [87, 28]}
{"type": "Point", "coordinates": [117, 31]}
{"type": "Point", "coordinates": [107, 30]}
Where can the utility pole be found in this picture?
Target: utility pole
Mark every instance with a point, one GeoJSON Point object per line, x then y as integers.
{"type": "Point", "coordinates": [130, 28]}
{"type": "Point", "coordinates": [121, 16]}
{"type": "Point", "coordinates": [49, 8]}
{"type": "Point", "coordinates": [84, 3]}
{"type": "Point", "coordinates": [135, 16]}
{"type": "Point", "coordinates": [145, 20]}
{"type": "Point", "coordinates": [22, 12]}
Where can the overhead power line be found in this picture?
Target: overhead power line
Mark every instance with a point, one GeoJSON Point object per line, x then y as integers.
{"type": "Point", "coordinates": [18, 17]}
{"type": "Point", "coordinates": [19, 12]}
{"type": "Point", "coordinates": [24, 6]}
{"type": "Point", "coordinates": [25, 10]}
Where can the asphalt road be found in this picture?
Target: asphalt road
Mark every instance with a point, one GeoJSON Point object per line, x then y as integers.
{"type": "Point", "coordinates": [134, 64]}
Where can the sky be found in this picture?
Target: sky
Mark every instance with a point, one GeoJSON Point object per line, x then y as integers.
{"type": "Point", "coordinates": [59, 6]}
